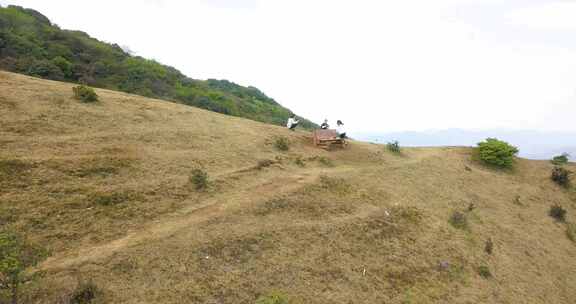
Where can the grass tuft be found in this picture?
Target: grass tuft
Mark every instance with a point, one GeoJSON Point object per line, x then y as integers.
{"type": "Point", "coordinates": [326, 162]}
{"type": "Point", "coordinates": [558, 213]}
{"type": "Point", "coordinates": [299, 161]}
{"type": "Point", "coordinates": [85, 293]}
{"type": "Point", "coordinates": [199, 178]}
{"type": "Point", "coordinates": [264, 163]}
{"type": "Point", "coordinates": [113, 198]}
{"type": "Point", "coordinates": [272, 298]}
{"type": "Point", "coordinates": [484, 271]}
{"type": "Point", "coordinates": [561, 176]}
{"type": "Point", "coordinates": [571, 231]}
{"type": "Point", "coordinates": [458, 220]}
{"type": "Point", "coordinates": [282, 143]}
{"type": "Point", "coordinates": [489, 246]}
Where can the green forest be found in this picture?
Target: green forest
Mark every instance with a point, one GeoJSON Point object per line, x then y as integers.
{"type": "Point", "coordinates": [30, 44]}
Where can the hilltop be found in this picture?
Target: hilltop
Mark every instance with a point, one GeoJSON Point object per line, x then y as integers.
{"type": "Point", "coordinates": [32, 45]}
{"type": "Point", "coordinates": [106, 188]}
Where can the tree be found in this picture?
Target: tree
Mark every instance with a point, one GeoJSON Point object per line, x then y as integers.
{"type": "Point", "coordinates": [64, 65]}
{"type": "Point", "coordinates": [46, 69]}
{"type": "Point", "coordinates": [16, 256]}
{"type": "Point", "coordinates": [497, 153]}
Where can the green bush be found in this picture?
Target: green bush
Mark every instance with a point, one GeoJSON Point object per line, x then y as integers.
{"type": "Point", "coordinates": [561, 176]}
{"type": "Point", "coordinates": [393, 147]}
{"type": "Point", "coordinates": [558, 213]}
{"type": "Point", "coordinates": [497, 153]}
{"type": "Point", "coordinates": [273, 298]}
{"type": "Point", "coordinates": [282, 143]}
{"type": "Point", "coordinates": [85, 94]}
{"type": "Point", "coordinates": [199, 178]}
{"type": "Point", "coordinates": [560, 159]}
{"type": "Point", "coordinates": [16, 257]}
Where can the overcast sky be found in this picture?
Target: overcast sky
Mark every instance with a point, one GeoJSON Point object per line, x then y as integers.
{"type": "Point", "coordinates": [377, 65]}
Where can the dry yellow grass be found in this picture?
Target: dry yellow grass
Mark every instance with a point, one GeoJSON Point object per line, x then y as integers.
{"type": "Point", "coordinates": [106, 188]}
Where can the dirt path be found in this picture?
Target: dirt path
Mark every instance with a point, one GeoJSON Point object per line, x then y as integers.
{"type": "Point", "coordinates": [260, 189]}
{"type": "Point", "coordinates": [253, 187]}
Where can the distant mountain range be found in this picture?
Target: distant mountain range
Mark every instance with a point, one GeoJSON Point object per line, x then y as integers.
{"type": "Point", "coordinates": [532, 144]}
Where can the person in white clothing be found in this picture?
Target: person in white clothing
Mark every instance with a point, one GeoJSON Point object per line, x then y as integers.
{"type": "Point", "coordinates": [340, 129]}
{"type": "Point", "coordinates": [292, 122]}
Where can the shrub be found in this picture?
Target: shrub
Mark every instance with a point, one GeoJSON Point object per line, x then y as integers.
{"type": "Point", "coordinates": [458, 220]}
{"type": "Point", "coordinates": [85, 293]}
{"type": "Point", "coordinates": [199, 178]}
{"type": "Point", "coordinates": [558, 213]}
{"type": "Point", "coordinates": [560, 159]}
{"type": "Point", "coordinates": [489, 246]}
{"type": "Point", "coordinates": [393, 147]}
{"type": "Point", "coordinates": [16, 257]}
{"type": "Point", "coordinates": [273, 298]}
{"type": "Point", "coordinates": [484, 272]}
{"type": "Point", "coordinates": [85, 94]}
{"type": "Point", "coordinates": [561, 176]}
{"type": "Point", "coordinates": [45, 69]}
{"type": "Point", "coordinates": [282, 143]}
{"type": "Point", "coordinates": [497, 153]}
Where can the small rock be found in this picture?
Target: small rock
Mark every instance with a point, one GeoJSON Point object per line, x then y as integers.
{"type": "Point", "coordinates": [443, 265]}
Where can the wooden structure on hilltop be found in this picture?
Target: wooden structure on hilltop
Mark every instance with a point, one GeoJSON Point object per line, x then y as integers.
{"type": "Point", "coordinates": [327, 139]}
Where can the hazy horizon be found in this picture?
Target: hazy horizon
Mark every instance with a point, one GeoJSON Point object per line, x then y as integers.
{"type": "Point", "coordinates": [532, 144]}
{"type": "Point", "coordinates": [379, 66]}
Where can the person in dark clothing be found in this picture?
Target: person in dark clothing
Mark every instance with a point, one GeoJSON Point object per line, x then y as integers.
{"type": "Point", "coordinates": [325, 125]}
{"type": "Point", "coordinates": [340, 129]}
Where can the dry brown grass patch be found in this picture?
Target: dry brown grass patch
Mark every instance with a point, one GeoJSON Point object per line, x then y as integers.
{"type": "Point", "coordinates": [15, 173]}
{"type": "Point", "coordinates": [238, 250]}
{"type": "Point", "coordinates": [383, 225]}
{"type": "Point", "coordinates": [92, 166]}
{"type": "Point", "coordinates": [330, 196]}
{"type": "Point", "coordinates": [105, 198]}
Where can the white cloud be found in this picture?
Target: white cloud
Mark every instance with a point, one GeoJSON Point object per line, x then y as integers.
{"type": "Point", "coordinates": [377, 65]}
{"type": "Point", "coordinates": [548, 16]}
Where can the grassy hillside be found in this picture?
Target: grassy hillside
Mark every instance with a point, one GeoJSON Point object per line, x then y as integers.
{"type": "Point", "coordinates": [105, 187]}
{"type": "Point", "coordinates": [31, 44]}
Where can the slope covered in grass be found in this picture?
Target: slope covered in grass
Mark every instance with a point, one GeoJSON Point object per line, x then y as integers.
{"type": "Point", "coordinates": [106, 188]}
{"type": "Point", "coordinates": [32, 45]}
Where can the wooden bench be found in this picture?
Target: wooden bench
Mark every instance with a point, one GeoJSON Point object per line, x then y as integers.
{"type": "Point", "coordinates": [327, 139]}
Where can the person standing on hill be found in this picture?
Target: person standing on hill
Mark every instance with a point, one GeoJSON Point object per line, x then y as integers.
{"type": "Point", "coordinates": [292, 122]}
{"type": "Point", "coordinates": [340, 129]}
{"type": "Point", "coordinates": [324, 125]}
